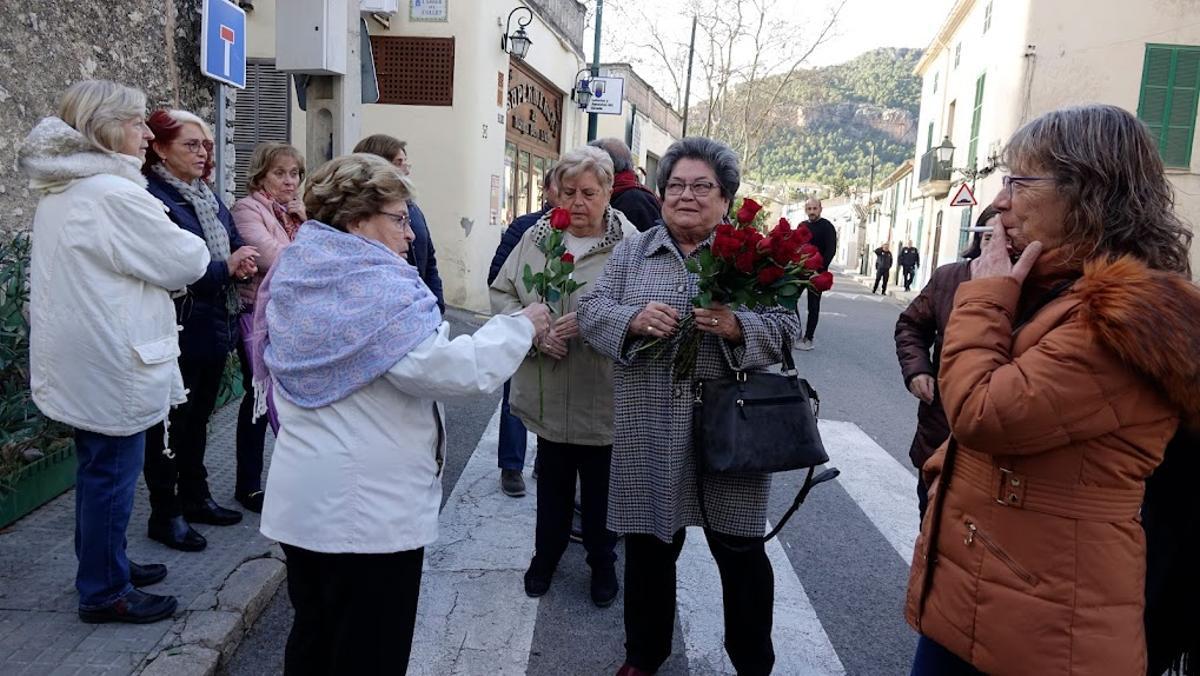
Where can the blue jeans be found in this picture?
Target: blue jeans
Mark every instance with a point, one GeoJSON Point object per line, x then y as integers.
{"type": "Point", "coordinates": [934, 660]}
{"type": "Point", "coordinates": [104, 484]}
{"type": "Point", "coordinates": [513, 437]}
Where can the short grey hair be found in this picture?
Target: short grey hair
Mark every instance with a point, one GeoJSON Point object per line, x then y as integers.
{"type": "Point", "coordinates": [585, 158]}
{"type": "Point", "coordinates": [622, 158]}
{"type": "Point", "coordinates": [98, 108]}
{"type": "Point", "coordinates": [718, 156]}
{"type": "Point", "coordinates": [1108, 168]}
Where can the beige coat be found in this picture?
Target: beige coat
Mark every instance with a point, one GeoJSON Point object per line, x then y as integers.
{"type": "Point", "coordinates": [578, 389]}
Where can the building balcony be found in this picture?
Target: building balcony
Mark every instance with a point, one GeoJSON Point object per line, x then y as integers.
{"type": "Point", "coordinates": [934, 175]}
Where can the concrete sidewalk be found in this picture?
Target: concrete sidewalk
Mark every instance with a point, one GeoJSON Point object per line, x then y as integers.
{"type": "Point", "coordinates": [221, 590]}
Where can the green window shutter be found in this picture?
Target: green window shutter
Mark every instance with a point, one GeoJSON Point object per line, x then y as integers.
{"type": "Point", "coordinates": [929, 138]}
{"type": "Point", "coordinates": [975, 118]}
{"type": "Point", "coordinates": [1168, 100]}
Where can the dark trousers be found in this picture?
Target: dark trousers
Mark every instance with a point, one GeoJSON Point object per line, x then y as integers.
{"type": "Point", "coordinates": [934, 660]}
{"type": "Point", "coordinates": [510, 454]}
{"type": "Point", "coordinates": [183, 479]}
{"type": "Point", "coordinates": [814, 312]}
{"type": "Point", "coordinates": [881, 274]}
{"type": "Point", "coordinates": [559, 464]}
{"type": "Point", "coordinates": [747, 590]}
{"type": "Point", "coordinates": [355, 613]}
{"type": "Point", "coordinates": [922, 495]}
{"type": "Point", "coordinates": [909, 274]}
{"type": "Point", "coordinates": [105, 480]}
{"type": "Point", "coordinates": [251, 436]}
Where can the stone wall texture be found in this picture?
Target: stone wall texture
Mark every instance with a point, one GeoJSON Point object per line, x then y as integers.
{"type": "Point", "coordinates": [47, 45]}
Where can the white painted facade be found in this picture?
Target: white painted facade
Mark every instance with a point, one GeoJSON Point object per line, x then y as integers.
{"type": "Point", "coordinates": [458, 151]}
{"type": "Point", "coordinates": [1034, 56]}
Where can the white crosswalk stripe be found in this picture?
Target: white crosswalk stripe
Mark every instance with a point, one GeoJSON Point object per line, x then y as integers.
{"type": "Point", "coordinates": [475, 618]}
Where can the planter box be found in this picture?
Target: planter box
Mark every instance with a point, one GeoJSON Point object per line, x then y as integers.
{"type": "Point", "coordinates": [36, 484]}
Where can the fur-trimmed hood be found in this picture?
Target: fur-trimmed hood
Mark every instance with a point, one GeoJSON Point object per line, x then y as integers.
{"type": "Point", "coordinates": [1150, 319]}
{"type": "Point", "coordinates": [54, 154]}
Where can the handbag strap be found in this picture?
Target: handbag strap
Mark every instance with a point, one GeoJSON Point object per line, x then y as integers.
{"type": "Point", "coordinates": [809, 482]}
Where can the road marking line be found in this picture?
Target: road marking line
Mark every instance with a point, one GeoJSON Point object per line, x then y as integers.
{"type": "Point", "coordinates": [883, 488]}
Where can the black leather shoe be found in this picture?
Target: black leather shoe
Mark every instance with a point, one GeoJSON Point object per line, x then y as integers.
{"type": "Point", "coordinates": [144, 576]}
{"type": "Point", "coordinates": [210, 512]}
{"type": "Point", "coordinates": [251, 501]}
{"type": "Point", "coordinates": [537, 578]}
{"type": "Point", "coordinates": [604, 586]}
{"type": "Point", "coordinates": [136, 607]}
{"type": "Point", "coordinates": [176, 533]}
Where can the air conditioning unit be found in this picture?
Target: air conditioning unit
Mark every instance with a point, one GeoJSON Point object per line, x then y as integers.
{"type": "Point", "coordinates": [310, 37]}
{"type": "Point", "coordinates": [380, 6]}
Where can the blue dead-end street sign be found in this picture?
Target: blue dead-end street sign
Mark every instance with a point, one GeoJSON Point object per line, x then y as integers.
{"type": "Point", "coordinates": [223, 42]}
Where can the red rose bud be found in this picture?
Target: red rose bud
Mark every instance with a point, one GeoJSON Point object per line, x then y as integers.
{"type": "Point", "coordinates": [725, 246]}
{"type": "Point", "coordinates": [782, 228]}
{"type": "Point", "coordinates": [815, 262]}
{"type": "Point", "coordinates": [725, 230]}
{"type": "Point", "coordinates": [560, 219]}
{"type": "Point", "coordinates": [769, 275]}
{"type": "Point", "coordinates": [745, 261]}
{"type": "Point", "coordinates": [567, 258]}
{"type": "Point", "coordinates": [749, 210]}
{"type": "Point", "coordinates": [803, 234]}
{"type": "Point", "coordinates": [823, 281]}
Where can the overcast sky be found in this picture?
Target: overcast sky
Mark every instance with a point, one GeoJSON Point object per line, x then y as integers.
{"type": "Point", "coordinates": [863, 25]}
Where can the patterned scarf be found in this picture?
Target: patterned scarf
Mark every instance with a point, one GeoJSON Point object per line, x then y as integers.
{"type": "Point", "coordinates": [205, 204]}
{"type": "Point", "coordinates": [289, 222]}
{"type": "Point", "coordinates": [335, 312]}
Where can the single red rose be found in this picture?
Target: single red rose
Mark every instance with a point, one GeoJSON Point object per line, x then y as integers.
{"type": "Point", "coordinates": [749, 210]}
{"type": "Point", "coordinates": [745, 261]}
{"type": "Point", "coordinates": [568, 258]}
{"type": "Point", "coordinates": [823, 281]}
{"type": "Point", "coordinates": [725, 246]}
{"type": "Point", "coordinates": [815, 261]}
{"type": "Point", "coordinates": [785, 250]}
{"type": "Point", "coordinates": [802, 234]}
{"type": "Point", "coordinates": [782, 228]}
{"type": "Point", "coordinates": [769, 275]}
{"type": "Point", "coordinates": [560, 219]}
{"type": "Point", "coordinates": [725, 230]}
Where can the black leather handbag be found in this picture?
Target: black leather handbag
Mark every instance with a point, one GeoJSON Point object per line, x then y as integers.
{"type": "Point", "coordinates": [761, 423]}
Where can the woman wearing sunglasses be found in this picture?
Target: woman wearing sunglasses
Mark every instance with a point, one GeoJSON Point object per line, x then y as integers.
{"type": "Point", "coordinates": [178, 163]}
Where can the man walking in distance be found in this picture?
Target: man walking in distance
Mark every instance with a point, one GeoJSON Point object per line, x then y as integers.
{"type": "Point", "coordinates": [824, 237]}
{"type": "Point", "coordinates": [510, 452]}
{"type": "Point", "coordinates": [629, 196]}
{"type": "Point", "coordinates": [910, 260]}
{"type": "Point", "coordinates": [883, 267]}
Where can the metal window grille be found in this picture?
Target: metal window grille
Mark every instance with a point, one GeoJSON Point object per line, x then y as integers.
{"type": "Point", "coordinates": [414, 71]}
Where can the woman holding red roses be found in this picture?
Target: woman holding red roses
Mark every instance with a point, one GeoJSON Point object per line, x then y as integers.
{"type": "Point", "coordinates": [645, 293]}
{"type": "Point", "coordinates": [569, 403]}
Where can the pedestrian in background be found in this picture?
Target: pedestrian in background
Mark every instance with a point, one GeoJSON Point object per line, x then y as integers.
{"type": "Point", "coordinates": [355, 482]}
{"type": "Point", "coordinates": [510, 451]}
{"type": "Point", "coordinates": [421, 254]}
{"type": "Point", "coordinates": [569, 405]}
{"type": "Point", "coordinates": [824, 237]}
{"type": "Point", "coordinates": [920, 330]}
{"type": "Point", "coordinates": [102, 327]}
{"type": "Point", "coordinates": [883, 267]}
{"type": "Point", "coordinates": [267, 219]}
{"type": "Point", "coordinates": [1062, 381]}
{"type": "Point", "coordinates": [910, 260]}
{"type": "Point", "coordinates": [178, 163]}
{"type": "Point", "coordinates": [643, 292]}
{"type": "Point", "coordinates": [637, 202]}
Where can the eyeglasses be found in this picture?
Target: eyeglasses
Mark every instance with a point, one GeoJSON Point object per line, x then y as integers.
{"type": "Point", "coordinates": [699, 188]}
{"type": "Point", "coordinates": [1008, 182]}
{"type": "Point", "coordinates": [194, 146]}
{"type": "Point", "coordinates": [402, 220]}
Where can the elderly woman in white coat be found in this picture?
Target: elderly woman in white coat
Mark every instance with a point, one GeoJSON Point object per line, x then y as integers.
{"type": "Point", "coordinates": [103, 344]}
{"type": "Point", "coordinates": [358, 355]}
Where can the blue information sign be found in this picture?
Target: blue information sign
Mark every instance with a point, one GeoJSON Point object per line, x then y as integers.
{"type": "Point", "coordinates": [223, 42]}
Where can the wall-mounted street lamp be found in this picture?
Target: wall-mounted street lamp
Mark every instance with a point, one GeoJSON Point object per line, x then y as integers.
{"type": "Point", "coordinates": [517, 44]}
{"type": "Point", "coordinates": [945, 152]}
{"type": "Point", "coordinates": [582, 93]}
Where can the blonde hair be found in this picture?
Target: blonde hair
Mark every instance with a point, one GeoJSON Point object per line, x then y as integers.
{"type": "Point", "coordinates": [98, 108]}
{"type": "Point", "coordinates": [184, 117]}
{"type": "Point", "coordinates": [348, 189]}
{"type": "Point", "coordinates": [585, 158]}
{"type": "Point", "coordinates": [265, 156]}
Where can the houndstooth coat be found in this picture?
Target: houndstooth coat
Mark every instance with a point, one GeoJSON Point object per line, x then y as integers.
{"type": "Point", "coordinates": [652, 485]}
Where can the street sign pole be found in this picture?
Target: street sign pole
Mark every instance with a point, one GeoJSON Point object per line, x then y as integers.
{"type": "Point", "coordinates": [219, 141]}
{"type": "Point", "coordinates": [593, 121]}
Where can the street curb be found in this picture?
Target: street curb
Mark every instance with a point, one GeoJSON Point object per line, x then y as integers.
{"type": "Point", "coordinates": [208, 633]}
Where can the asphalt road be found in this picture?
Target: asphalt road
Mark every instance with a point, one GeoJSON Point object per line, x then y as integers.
{"type": "Point", "coordinates": [843, 555]}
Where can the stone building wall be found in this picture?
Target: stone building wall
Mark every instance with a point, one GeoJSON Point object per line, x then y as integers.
{"type": "Point", "coordinates": [47, 45]}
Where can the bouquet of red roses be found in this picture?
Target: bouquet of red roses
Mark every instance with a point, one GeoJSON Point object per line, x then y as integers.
{"type": "Point", "coordinates": [746, 269]}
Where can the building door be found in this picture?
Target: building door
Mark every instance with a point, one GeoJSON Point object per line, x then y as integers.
{"type": "Point", "coordinates": [532, 135]}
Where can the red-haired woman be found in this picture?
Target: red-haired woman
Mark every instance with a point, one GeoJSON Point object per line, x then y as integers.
{"type": "Point", "coordinates": [177, 163]}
